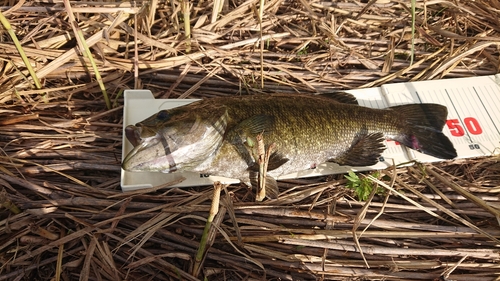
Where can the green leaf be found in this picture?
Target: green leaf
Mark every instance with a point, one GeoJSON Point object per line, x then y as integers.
{"type": "Point", "coordinates": [352, 177]}
{"type": "Point", "coordinates": [362, 187]}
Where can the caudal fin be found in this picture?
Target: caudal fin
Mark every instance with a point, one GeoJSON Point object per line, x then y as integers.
{"type": "Point", "coordinates": [423, 129]}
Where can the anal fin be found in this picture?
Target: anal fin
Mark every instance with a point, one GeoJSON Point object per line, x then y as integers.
{"type": "Point", "coordinates": [364, 151]}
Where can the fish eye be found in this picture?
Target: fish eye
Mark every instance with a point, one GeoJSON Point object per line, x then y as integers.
{"type": "Point", "coordinates": [163, 115]}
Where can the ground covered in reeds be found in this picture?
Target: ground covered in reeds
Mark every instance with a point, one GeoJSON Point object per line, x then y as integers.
{"type": "Point", "coordinates": [64, 216]}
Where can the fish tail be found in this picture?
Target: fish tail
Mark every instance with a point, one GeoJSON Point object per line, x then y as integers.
{"type": "Point", "coordinates": [423, 129]}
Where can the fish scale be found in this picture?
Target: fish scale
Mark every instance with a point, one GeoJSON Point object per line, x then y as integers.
{"type": "Point", "coordinates": [322, 130]}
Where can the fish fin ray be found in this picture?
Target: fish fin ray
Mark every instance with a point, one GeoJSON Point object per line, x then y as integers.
{"type": "Point", "coordinates": [272, 189]}
{"type": "Point", "coordinates": [429, 142]}
{"type": "Point", "coordinates": [255, 125]}
{"type": "Point", "coordinates": [244, 137]}
{"type": "Point", "coordinates": [429, 115]}
{"type": "Point", "coordinates": [276, 160]}
{"type": "Point", "coordinates": [341, 97]}
{"type": "Point", "coordinates": [424, 134]}
{"type": "Point", "coordinates": [364, 151]}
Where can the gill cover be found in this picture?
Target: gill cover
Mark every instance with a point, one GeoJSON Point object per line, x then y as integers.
{"type": "Point", "coordinates": [177, 139]}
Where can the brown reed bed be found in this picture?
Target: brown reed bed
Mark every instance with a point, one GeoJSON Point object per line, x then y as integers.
{"type": "Point", "coordinates": [64, 216]}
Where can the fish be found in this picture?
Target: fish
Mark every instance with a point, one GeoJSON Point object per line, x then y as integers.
{"type": "Point", "coordinates": [218, 136]}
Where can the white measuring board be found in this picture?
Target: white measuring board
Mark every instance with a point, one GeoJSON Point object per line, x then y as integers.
{"type": "Point", "coordinates": [473, 125]}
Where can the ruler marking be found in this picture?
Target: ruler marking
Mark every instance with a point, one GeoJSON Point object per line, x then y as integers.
{"type": "Point", "coordinates": [418, 96]}
{"type": "Point", "coordinates": [462, 98]}
{"type": "Point", "coordinates": [458, 115]}
{"type": "Point", "coordinates": [485, 109]}
{"type": "Point", "coordinates": [477, 114]}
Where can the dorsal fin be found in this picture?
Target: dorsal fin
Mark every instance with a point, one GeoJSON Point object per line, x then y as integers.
{"type": "Point", "coordinates": [341, 97]}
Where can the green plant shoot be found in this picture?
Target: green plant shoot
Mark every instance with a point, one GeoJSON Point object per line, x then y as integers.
{"type": "Point", "coordinates": [362, 186]}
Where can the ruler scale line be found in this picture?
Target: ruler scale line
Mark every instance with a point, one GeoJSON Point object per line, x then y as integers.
{"type": "Point", "coordinates": [486, 110]}
{"type": "Point", "coordinates": [458, 116]}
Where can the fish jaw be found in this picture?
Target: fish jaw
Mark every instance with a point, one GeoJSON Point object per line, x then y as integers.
{"type": "Point", "coordinates": [148, 155]}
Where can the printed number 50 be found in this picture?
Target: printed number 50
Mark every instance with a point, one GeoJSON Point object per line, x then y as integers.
{"type": "Point", "coordinates": [470, 124]}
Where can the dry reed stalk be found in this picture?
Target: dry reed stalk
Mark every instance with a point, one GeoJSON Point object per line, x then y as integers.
{"type": "Point", "coordinates": [207, 238]}
{"type": "Point", "coordinates": [6, 24]}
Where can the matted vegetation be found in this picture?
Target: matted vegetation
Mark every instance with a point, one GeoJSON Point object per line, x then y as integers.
{"type": "Point", "coordinates": [64, 216]}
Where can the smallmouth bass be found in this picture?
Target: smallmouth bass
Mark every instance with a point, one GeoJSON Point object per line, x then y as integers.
{"type": "Point", "coordinates": [217, 136]}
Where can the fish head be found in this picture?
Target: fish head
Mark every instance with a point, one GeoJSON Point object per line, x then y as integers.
{"type": "Point", "coordinates": [175, 140]}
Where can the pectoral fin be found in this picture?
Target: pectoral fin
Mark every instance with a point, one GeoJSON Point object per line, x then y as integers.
{"type": "Point", "coordinates": [244, 135]}
{"type": "Point", "coordinates": [275, 161]}
{"type": "Point", "coordinates": [364, 151]}
{"type": "Point", "coordinates": [251, 127]}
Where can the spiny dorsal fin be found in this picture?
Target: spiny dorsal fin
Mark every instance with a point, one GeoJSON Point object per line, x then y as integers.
{"type": "Point", "coordinates": [364, 151]}
{"type": "Point", "coordinates": [341, 97]}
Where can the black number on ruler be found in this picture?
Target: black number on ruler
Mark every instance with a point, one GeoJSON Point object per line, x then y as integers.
{"type": "Point", "coordinates": [474, 146]}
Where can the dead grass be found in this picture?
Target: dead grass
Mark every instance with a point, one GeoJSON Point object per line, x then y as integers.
{"type": "Point", "coordinates": [65, 218]}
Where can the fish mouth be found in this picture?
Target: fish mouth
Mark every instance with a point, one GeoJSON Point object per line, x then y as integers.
{"type": "Point", "coordinates": [143, 139]}
{"type": "Point", "coordinates": [140, 145]}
